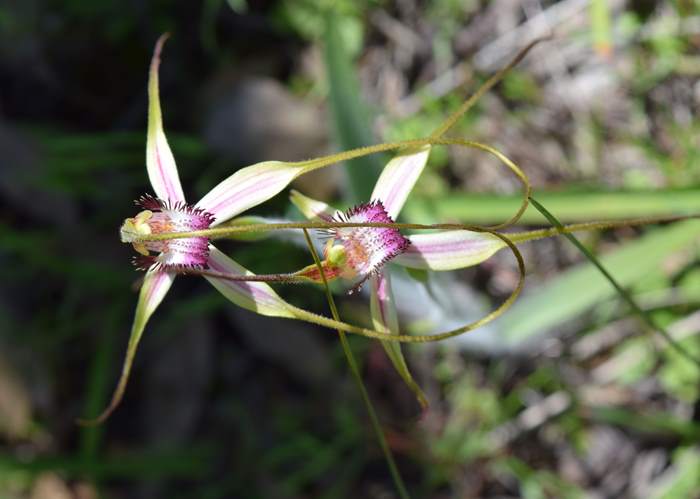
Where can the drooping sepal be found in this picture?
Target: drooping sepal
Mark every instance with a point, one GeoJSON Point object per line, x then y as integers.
{"type": "Point", "coordinates": [155, 286]}
{"type": "Point", "coordinates": [384, 318]}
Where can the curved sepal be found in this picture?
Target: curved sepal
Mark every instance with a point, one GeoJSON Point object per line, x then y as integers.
{"type": "Point", "coordinates": [398, 178]}
{"type": "Point", "coordinates": [311, 208]}
{"type": "Point", "coordinates": [249, 187]}
{"type": "Point", "coordinates": [449, 250]}
{"type": "Point", "coordinates": [155, 286]}
{"type": "Point", "coordinates": [384, 318]}
{"type": "Point", "coordinates": [255, 296]}
{"type": "Point", "coordinates": [160, 163]}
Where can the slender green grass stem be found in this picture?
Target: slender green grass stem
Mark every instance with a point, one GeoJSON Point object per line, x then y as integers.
{"type": "Point", "coordinates": [624, 294]}
{"type": "Point", "coordinates": [388, 456]}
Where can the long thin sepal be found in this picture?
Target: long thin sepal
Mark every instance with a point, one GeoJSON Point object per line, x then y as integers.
{"type": "Point", "coordinates": [155, 286]}
{"type": "Point", "coordinates": [256, 296]}
{"type": "Point", "coordinates": [249, 187]}
{"type": "Point", "coordinates": [255, 184]}
{"type": "Point", "coordinates": [401, 173]}
{"type": "Point", "coordinates": [160, 163]}
{"type": "Point", "coordinates": [384, 318]}
{"type": "Point", "coordinates": [398, 178]}
{"type": "Point", "coordinates": [449, 250]}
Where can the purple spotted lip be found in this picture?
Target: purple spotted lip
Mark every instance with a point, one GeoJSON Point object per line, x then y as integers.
{"type": "Point", "coordinates": [160, 217]}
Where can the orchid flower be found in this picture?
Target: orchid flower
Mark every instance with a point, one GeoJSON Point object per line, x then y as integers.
{"type": "Point", "coordinates": [360, 254]}
{"type": "Point", "coordinates": [168, 211]}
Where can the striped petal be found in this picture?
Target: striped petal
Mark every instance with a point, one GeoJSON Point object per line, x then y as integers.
{"type": "Point", "coordinates": [155, 286]}
{"type": "Point", "coordinates": [449, 250]}
{"type": "Point", "coordinates": [249, 187]}
{"type": "Point", "coordinates": [311, 208]}
{"type": "Point", "coordinates": [255, 296]}
{"type": "Point", "coordinates": [160, 163]}
{"type": "Point", "coordinates": [384, 318]}
{"type": "Point", "coordinates": [398, 178]}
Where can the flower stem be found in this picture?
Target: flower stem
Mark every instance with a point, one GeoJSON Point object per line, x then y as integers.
{"type": "Point", "coordinates": [222, 232]}
{"type": "Point", "coordinates": [277, 278]}
{"type": "Point", "coordinates": [388, 456]}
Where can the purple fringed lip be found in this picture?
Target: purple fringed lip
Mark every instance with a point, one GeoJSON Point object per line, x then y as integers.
{"type": "Point", "coordinates": [159, 217]}
{"type": "Point", "coordinates": [367, 249]}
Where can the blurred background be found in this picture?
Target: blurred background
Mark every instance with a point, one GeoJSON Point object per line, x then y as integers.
{"type": "Point", "coordinates": [567, 395]}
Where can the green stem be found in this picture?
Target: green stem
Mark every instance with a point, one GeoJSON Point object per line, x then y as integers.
{"type": "Point", "coordinates": [221, 232]}
{"type": "Point", "coordinates": [488, 85]}
{"type": "Point", "coordinates": [393, 469]}
{"type": "Point", "coordinates": [624, 294]}
{"type": "Point", "coordinates": [276, 278]}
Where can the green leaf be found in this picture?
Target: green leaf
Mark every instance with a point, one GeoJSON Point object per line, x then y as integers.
{"type": "Point", "coordinates": [568, 206]}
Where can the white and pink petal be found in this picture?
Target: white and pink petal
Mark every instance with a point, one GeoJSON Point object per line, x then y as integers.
{"type": "Point", "coordinates": [449, 250]}
{"type": "Point", "coordinates": [155, 286]}
{"type": "Point", "coordinates": [384, 318]}
{"type": "Point", "coordinates": [162, 217]}
{"type": "Point", "coordinates": [248, 187]}
{"type": "Point", "coordinates": [160, 163]}
{"type": "Point", "coordinates": [398, 178]}
{"type": "Point", "coordinates": [255, 296]}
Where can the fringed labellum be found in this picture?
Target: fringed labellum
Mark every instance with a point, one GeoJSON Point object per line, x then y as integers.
{"type": "Point", "coordinates": [161, 217]}
{"type": "Point", "coordinates": [357, 253]}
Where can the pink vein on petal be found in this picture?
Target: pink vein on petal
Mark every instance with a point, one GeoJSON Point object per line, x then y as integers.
{"type": "Point", "coordinates": [220, 206]}
{"type": "Point", "coordinates": [418, 247]}
{"type": "Point", "coordinates": [395, 184]}
{"type": "Point", "coordinates": [172, 193]}
{"type": "Point", "coordinates": [381, 284]}
{"type": "Point", "coordinates": [159, 278]}
{"type": "Point", "coordinates": [246, 288]}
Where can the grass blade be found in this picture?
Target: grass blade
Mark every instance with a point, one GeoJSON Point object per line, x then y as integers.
{"type": "Point", "coordinates": [624, 294]}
